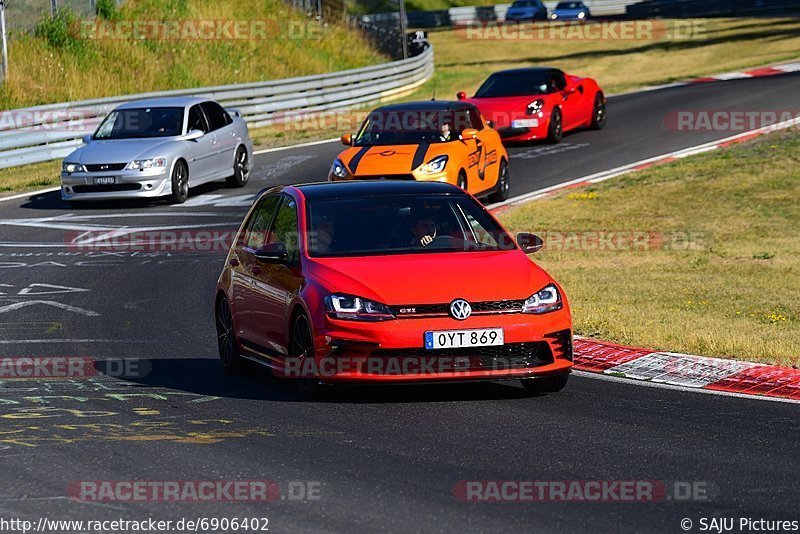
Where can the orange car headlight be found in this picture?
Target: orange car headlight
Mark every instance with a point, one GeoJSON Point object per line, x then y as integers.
{"type": "Point", "coordinates": [434, 166]}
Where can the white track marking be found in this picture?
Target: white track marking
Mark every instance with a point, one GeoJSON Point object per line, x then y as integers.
{"type": "Point", "coordinates": [289, 147]}
{"type": "Point", "coordinates": [624, 169]}
{"type": "Point", "coordinates": [609, 378]}
{"type": "Point", "coordinates": [74, 309]}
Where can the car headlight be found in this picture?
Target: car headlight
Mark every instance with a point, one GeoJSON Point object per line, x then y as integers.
{"type": "Point", "coordinates": [434, 166]}
{"type": "Point", "coordinates": [535, 107]}
{"type": "Point", "coordinates": [545, 300]}
{"type": "Point", "coordinates": [581, 15]}
{"type": "Point", "coordinates": [356, 308]}
{"type": "Point", "coordinates": [338, 169]}
{"type": "Point", "coordinates": [139, 164]}
{"type": "Point", "coordinates": [72, 167]}
{"type": "Point", "coordinates": [554, 16]}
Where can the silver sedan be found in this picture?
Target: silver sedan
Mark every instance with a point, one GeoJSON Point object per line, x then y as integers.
{"type": "Point", "coordinates": [156, 147]}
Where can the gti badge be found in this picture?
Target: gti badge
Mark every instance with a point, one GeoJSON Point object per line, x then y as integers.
{"type": "Point", "coordinates": [460, 309]}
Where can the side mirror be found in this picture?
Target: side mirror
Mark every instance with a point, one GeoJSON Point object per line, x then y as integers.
{"type": "Point", "coordinates": [347, 140]}
{"type": "Point", "coordinates": [193, 135]}
{"type": "Point", "coordinates": [529, 243]}
{"type": "Point", "coordinates": [569, 90]}
{"type": "Point", "coordinates": [87, 138]}
{"type": "Point", "coordinates": [271, 253]}
{"type": "Point", "coordinates": [490, 124]}
{"type": "Point", "coordinates": [469, 133]}
{"type": "Point", "coordinates": [461, 95]}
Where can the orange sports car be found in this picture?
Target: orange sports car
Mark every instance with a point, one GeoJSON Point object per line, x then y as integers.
{"type": "Point", "coordinates": [435, 141]}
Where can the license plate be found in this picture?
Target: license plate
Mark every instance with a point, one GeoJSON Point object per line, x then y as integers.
{"type": "Point", "coordinates": [453, 339]}
{"type": "Point", "coordinates": [525, 123]}
{"type": "Point", "coordinates": [105, 180]}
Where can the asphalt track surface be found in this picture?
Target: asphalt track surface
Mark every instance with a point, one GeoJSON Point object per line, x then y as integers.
{"type": "Point", "coordinates": [385, 458]}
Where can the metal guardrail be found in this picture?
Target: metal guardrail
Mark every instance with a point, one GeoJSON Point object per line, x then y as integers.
{"type": "Point", "coordinates": [49, 132]}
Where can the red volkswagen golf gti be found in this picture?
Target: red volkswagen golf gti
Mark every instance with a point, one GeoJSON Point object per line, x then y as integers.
{"type": "Point", "coordinates": [388, 281]}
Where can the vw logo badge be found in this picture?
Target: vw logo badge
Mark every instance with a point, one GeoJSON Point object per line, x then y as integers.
{"type": "Point", "coordinates": [460, 309]}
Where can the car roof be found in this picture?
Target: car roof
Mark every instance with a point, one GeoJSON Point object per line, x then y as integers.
{"type": "Point", "coordinates": [427, 105]}
{"type": "Point", "coordinates": [360, 188]}
{"type": "Point", "coordinates": [166, 102]}
{"type": "Point", "coordinates": [526, 70]}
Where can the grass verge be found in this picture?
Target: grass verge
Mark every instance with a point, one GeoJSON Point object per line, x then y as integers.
{"type": "Point", "coordinates": [716, 46]}
{"type": "Point", "coordinates": [721, 273]}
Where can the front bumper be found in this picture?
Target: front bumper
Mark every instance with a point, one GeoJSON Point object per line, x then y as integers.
{"type": "Point", "coordinates": [147, 183]}
{"type": "Point", "coordinates": [393, 351]}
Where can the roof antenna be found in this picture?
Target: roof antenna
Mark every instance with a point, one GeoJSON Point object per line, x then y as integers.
{"type": "Point", "coordinates": [434, 91]}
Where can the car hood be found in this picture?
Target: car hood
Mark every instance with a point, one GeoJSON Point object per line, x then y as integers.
{"type": "Point", "coordinates": [568, 12]}
{"type": "Point", "coordinates": [434, 278]}
{"type": "Point", "coordinates": [390, 159]}
{"type": "Point", "coordinates": [120, 150]}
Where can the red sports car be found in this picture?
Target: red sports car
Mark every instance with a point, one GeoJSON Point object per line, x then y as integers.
{"type": "Point", "coordinates": [539, 103]}
{"type": "Point", "coordinates": [389, 281]}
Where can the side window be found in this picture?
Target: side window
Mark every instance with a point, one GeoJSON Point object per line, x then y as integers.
{"type": "Point", "coordinates": [256, 229]}
{"type": "Point", "coordinates": [217, 117]}
{"type": "Point", "coordinates": [284, 229]}
{"type": "Point", "coordinates": [196, 120]}
{"type": "Point", "coordinates": [559, 82]}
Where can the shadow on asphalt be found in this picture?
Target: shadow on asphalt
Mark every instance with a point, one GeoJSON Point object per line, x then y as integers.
{"type": "Point", "coordinates": [52, 200]}
{"type": "Point", "coordinates": [204, 376]}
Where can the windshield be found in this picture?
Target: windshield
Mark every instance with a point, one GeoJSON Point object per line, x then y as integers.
{"type": "Point", "coordinates": [525, 3]}
{"type": "Point", "coordinates": [517, 84]}
{"type": "Point", "coordinates": [414, 127]}
{"type": "Point", "coordinates": [137, 123]}
{"type": "Point", "coordinates": [569, 5]}
{"type": "Point", "coordinates": [401, 224]}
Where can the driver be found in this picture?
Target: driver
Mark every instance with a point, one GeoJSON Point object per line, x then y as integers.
{"type": "Point", "coordinates": [445, 134]}
{"type": "Point", "coordinates": [424, 231]}
{"type": "Point", "coordinates": [324, 233]}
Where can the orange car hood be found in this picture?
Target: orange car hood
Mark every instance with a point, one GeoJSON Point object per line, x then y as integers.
{"type": "Point", "coordinates": [390, 159]}
{"type": "Point", "coordinates": [434, 278]}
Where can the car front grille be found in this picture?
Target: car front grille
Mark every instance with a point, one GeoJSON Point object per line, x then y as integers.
{"type": "Point", "coordinates": [504, 357]}
{"type": "Point", "coordinates": [513, 132]}
{"type": "Point", "coordinates": [105, 167]}
{"type": "Point", "coordinates": [441, 310]}
{"type": "Point", "coordinates": [105, 188]}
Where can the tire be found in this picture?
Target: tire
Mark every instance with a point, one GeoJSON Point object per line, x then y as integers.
{"type": "Point", "coordinates": [241, 170]}
{"type": "Point", "coordinates": [503, 184]}
{"type": "Point", "coordinates": [302, 346]}
{"type": "Point", "coordinates": [180, 183]}
{"type": "Point", "coordinates": [462, 180]}
{"type": "Point", "coordinates": [545, 384]}
{"type": "Point", "coordinates": [226, 339]}
{"type": "Point", "coordinates": [599, 112]}
{"type": "Point", "coordinates": [555, 130]}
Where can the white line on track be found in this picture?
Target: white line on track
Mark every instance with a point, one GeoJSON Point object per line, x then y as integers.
{"type": "Point", "coordinates": [289, 147]}
{"type": "Point", "coordinates": [632, 382]}
{"type": "Point", "coordinates": [26, 341]}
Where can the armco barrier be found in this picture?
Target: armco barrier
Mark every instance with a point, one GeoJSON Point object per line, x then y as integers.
{"type": "Point", "coordinates": [44, 133]}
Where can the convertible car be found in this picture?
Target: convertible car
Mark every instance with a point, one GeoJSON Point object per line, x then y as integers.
{"type": "Point", "coordinates": [535, 103]}
{"type": "Point", "coordinates": [434, 141]}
